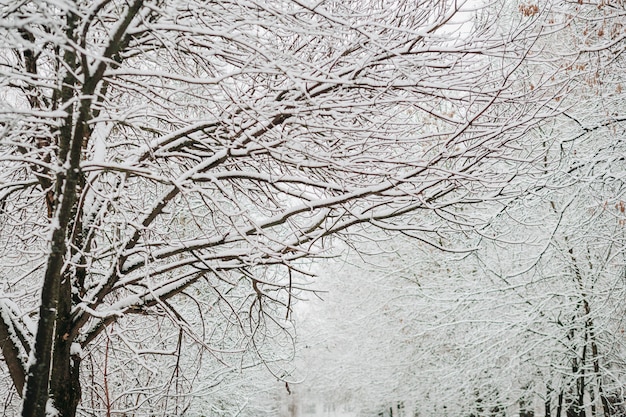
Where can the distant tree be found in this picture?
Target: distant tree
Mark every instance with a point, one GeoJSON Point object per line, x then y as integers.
{"type": "Point", "coordinates": [166, 167]}
{"type": "Point", "coordinates": [532, 319]}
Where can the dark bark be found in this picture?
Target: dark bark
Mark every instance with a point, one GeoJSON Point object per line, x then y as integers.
{"type": "Point", "coordinates": [11, 354]}
{"type": "Point", "coordinates": [595, 357]}
{"type": "Point", "coordinates": [58, 376]}
{"type": "Point", "coordinates": [548, 402]}
{"type": "Point", "coordinates": [70, 146]}
{"type": "Point", "coordinates": [64, 382]}
{"type": "Point", "coordinates": [36, 395]}
{"type": "Point", "coordinates": [582, 384]}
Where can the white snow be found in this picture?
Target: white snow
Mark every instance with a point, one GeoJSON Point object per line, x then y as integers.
{"type": "Point", "coordinates": [51, 410]}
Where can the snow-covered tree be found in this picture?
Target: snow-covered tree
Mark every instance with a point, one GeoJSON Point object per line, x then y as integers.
{"type": "Point", "coordinates": [531, 321]}
{"type": "Point", "coordinates": [166, 167]}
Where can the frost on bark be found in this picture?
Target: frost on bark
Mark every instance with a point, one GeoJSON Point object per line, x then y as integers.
{"type": "Point", "coordinates": [167, 168]}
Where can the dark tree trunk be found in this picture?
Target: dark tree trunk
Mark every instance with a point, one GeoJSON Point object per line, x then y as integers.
{"type": "Point", "coordinates": [70, 146]}
{"type": "Point", "coordinates": [58, 377]}
{"type": "Point", "coordinates": [548, 403]}
{"type": "Point", "coordinates": [64, 379]}
{"type": "Point", "coordinates": [37, 381]}
{"type": "Point", "coordinates": [559, 407]}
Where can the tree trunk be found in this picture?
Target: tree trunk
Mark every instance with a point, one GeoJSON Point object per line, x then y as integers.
{"type": "Point", "coordinates": [64, 378]}
{"type": "Point", "coordinates": [548, 402]}
{"type": "Point", "coordinates": [70, 136]}
{"type": "Point", "coordinates": [559, 407]}
{"type": "Point", "coordinates": [37, 381]}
